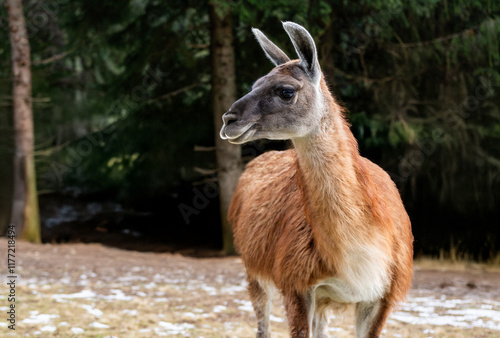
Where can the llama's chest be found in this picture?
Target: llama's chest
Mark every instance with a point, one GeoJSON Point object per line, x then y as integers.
{"type": "Point", "coordinates": [364, 276]}
{"type": "Point", "coordinates": [276, 241]}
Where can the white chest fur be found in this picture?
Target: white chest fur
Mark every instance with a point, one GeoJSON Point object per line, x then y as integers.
{"type": "Point", "coordinates": [364, 276]}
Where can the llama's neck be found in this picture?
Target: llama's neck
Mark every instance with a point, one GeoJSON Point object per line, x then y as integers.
{"type": "Point", "coordinates": [334, 199]}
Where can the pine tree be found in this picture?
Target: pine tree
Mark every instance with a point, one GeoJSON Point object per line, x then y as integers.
{"type": "Point", "coordinates": [25, 202]}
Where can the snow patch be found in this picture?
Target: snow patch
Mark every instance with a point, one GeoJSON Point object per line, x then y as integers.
{"type": "Point", "coordinates": [209, 289]}
{"type": "Point", "coordinates": [48, 328]}
{"type": "Point", "coordinates": [276, 319]}
{"type": "Point", "coordinates": [117, 294]}
{"type": "Point", "coordinates": [36, 318]}
{"type": "Point", "coordinates": [443, 311]}
{"type": "Point", "coordinates": [98, 325]}
{"type": "Point", "coordinates": [219, 308]}
{"type": "Point", "coordinates": [77, 330]}
{"type": "Point", "coordinates": [78, 295]}
{"type": "Point", "coordinates": [91, 310]}
{"type": "Point", "coordinates": [150, 285]}
{"type": "Point", "coordinates": [130, 312]}
{"type": "Point", "coordinates": [246, 305]}
{"type": "Point", "coordinates": [171, 328]}
{"type": "Point", "coordinates": [231, 290]}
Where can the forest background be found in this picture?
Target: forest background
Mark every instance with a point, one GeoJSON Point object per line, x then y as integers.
{"type": "Point", "coordinates": [125, 112]}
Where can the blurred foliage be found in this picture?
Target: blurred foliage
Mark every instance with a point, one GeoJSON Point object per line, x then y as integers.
{"type": "Point", "coordinates": [122, 89]}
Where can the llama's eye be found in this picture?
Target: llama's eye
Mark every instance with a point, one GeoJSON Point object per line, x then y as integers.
{"type": "Point", "coordinates": [286, 94]}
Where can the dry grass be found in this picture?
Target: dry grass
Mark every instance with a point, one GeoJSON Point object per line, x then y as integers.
{"type": "Point", "coordinates": [173, 310]}
{"type": "Point", "coordinates": [131, 294]}
{"type": "Point", "coordinates": [462, 264]}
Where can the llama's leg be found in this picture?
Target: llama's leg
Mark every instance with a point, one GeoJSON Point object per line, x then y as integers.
{"type": "Point", "coordinates": [261, 299]}
{"type": "Point", "coordinates": [300, 313]}
{"type": "Point", "coordinates": [320, 323]}
{"type": "Point", "coordinates": [371, 317]}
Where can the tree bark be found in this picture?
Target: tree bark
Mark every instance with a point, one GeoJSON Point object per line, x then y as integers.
{"type": "Point", "coordinates": [6, 174]}
{"type": "Point", "coordinates": [24, 213]}
{"type": "Point", "coordinates": [228, 156]}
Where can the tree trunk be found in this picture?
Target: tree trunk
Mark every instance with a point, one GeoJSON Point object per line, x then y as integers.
{"type": "Point", "coordinates": [6, 175]}
{"type": "Point", "coordinates": [24, 213]}
{"type": "Point", "coordinates": [228, 155]}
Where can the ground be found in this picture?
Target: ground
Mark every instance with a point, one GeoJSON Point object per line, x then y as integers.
{"type": "Point", "coordinates": [97, 291]}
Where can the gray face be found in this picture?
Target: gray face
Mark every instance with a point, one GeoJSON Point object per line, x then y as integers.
{"type": "Point", "coordinates": [284, 104]}
{"type": "Point", "coordinates": [278, 107]}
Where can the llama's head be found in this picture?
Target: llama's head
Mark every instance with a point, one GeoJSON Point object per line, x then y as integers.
{"type": "Point", "coordinates": [284, 104]}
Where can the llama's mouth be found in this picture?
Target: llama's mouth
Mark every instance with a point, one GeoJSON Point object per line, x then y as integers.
{"type": "Point", "coordinates": [238, 135]}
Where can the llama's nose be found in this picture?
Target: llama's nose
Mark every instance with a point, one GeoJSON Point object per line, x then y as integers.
{"type": "Point", "coordinates": [229, 117]}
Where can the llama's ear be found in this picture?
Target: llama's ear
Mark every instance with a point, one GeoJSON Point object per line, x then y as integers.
{"type": "Point", "coordinates": [273, 52]}
{"type": "Point", "coordinates": [305, 48]}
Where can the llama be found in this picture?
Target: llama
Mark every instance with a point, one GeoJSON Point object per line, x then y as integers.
{"type": "Point", "coordinates": [320, 223]}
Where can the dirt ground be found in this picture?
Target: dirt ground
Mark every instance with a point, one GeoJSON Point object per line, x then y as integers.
{"type": "Point", "coordinates": [97, 291]}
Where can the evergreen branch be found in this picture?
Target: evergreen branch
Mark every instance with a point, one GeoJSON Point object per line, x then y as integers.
{"type": "Point", "coordinates": [205, 171]}
{"type": "Point", "coordinates": [52, 58]}
{"type": "Point", "coordinates": [198, 45]}
{"type": "Point", "coordinates": [468, 31]}
{"type": "Point", "coordinates": [177, 91]}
